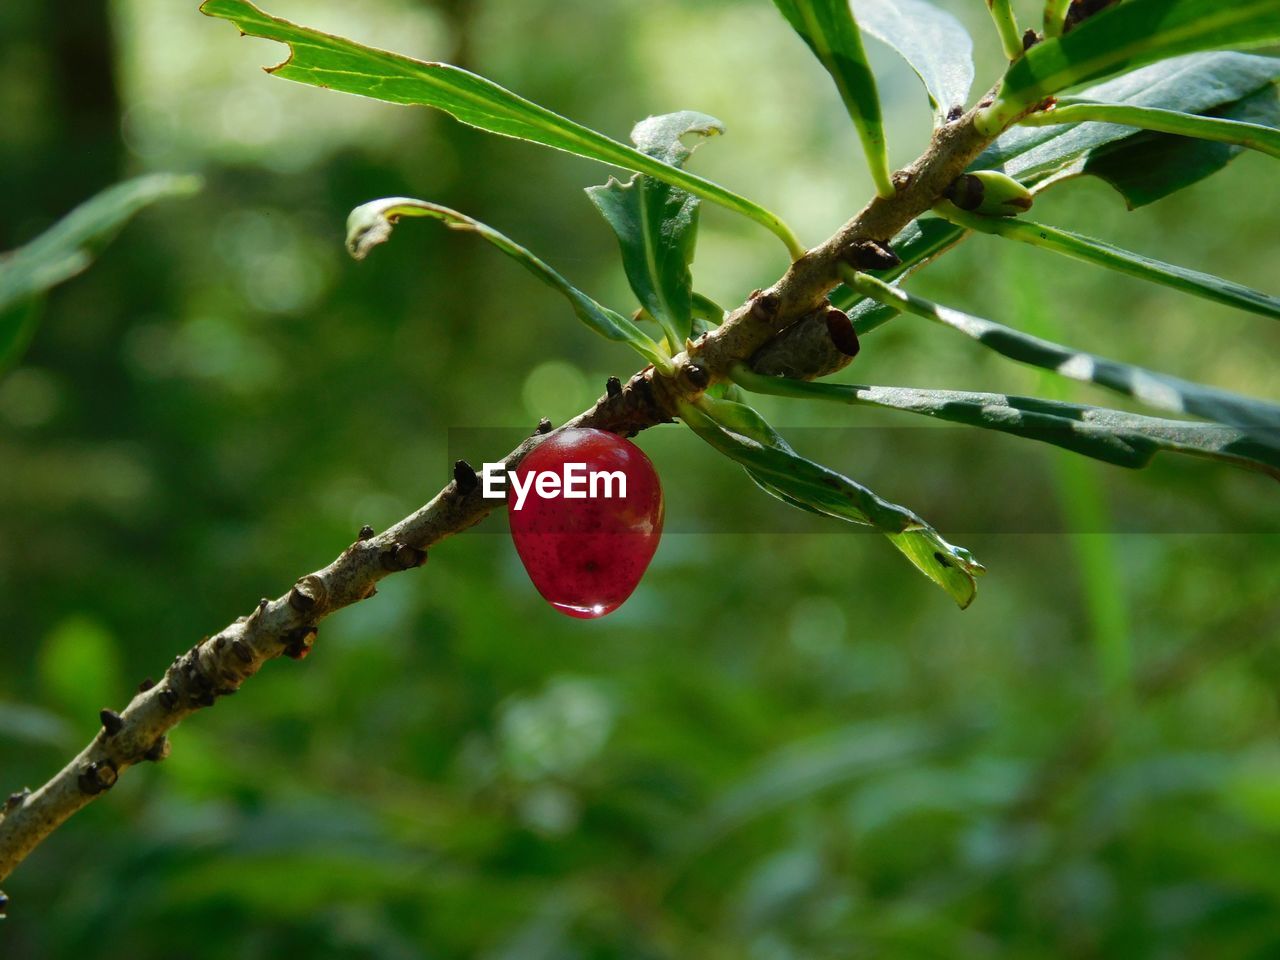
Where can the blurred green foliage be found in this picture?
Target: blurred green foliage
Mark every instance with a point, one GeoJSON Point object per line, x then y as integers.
{"type": "Point", "coordinates": [785, 745]}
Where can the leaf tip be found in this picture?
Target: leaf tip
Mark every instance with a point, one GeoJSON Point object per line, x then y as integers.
{"type": "Point", "coordinates": [367, 226]}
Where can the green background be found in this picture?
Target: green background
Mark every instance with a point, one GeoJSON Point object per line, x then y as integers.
{"type": "Point", "coordinates": [786, 744]}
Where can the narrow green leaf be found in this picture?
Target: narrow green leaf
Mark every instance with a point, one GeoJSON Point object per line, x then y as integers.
{"type": "Point", "coordinates": [1112, 436]}
{"type": "Point", "coordinates": [67, 248]}
{"type": "Point", "coordinates": [657, 224]}
{"type": "Point", "coordinates": [1252, 135]}
{"type": "Point", "coordinates": [1126, 36]}
{"type": "Point", "coordinates": [1102, 254]}
{"type": "Point", "coordinates": [933, 42]}
{"type": "Point", "coordinates": [1007, 27]}
{"type": "Point", "coordinates": [831, 32]}
{"type": "Point", "coordinates": [1143, 167]}
{"type": "Point", "coordinates": [1258, 418]}
{"type": "Point", "coordinates": [1149, 166]}
{"type": "Point", "coordinates": [1196, 83]}
{"type": "Point", "coordinates": [370, 224]}
{"type": "Point", "coordinates": [326, 61]}
{"type": "Point", "coordinates": [740, 433]}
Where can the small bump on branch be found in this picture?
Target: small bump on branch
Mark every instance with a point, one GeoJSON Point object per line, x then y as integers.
{"type": "Point", "coordinates": [872, 255]}
{"type": "Point", "coordinates": [97, 776]}
{"type": "Point", "coordinates": [307, 594]}
{"type": "Point", "coordinates": [840, 329]}
{"type": "Point", "coordinates": [401, 556]}
{"type": "Point", "coordinates": [112, 722]}
{"type": "Point", "coordinates": [694, 378]}
{"type": "Point", "coordinates": [764, 306]}
{"type": "Point", "coordinates": [298, 643]}
{"type": "Point", "coordinates": [464, 477]}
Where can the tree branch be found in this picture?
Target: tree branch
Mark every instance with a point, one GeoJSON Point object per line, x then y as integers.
{"type": "Point", "coordinates": [218, 665]}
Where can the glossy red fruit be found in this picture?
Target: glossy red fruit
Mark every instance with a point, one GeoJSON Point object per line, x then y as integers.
{"type": "Point", "coordinates": [585, 555]}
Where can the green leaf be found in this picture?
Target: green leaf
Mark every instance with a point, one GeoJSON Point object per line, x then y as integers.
{"type": "Point", "coordinates": [370, 224]}
{"type": "Point", "coordinates": [657, 224]}
{"type": "Point", "coordinates": [1127, 36]}
{"type": "Point", "coordinates": [1122, 261]}
{"type": "Point", "coordinates": [335, 63]}
{"type": "Point", "coordinates": [1197, 83]}
{"type": "Point", "coordinates": [1252, 135]}
{"type": "Point", "coordinates": [1143, 166]}
{"type": "Point", "coordinates": [831, 32]}
{"type": "Point", "coordinates": [1112, 436]}
{"type": "Point", "coordinates": [1258, 418]}
{"type": "Point", "coordinates": [67, 248]}
{"type": "Point", "coordinates": [933, 42]}
{"type": "Point", "coordinates": [1150, 166]}
{"type": "Point", "coordinates": [740, 433]}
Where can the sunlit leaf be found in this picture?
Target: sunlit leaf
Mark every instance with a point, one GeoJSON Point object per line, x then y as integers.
{"type": "Point", "coordinates": [657, 224]}
{"type": "Point", "coordinates": [933, 42]}
{"type": "Point", "coordinates": [1102, 254]}
{"type": "Point", "coordinates": [1252, 135]}
{"type": "Point", "coordinates": [332, 62]}
{"type": "Point", "coordinates": [1113, 436]}
{"type": "Point", "coordinates": [1149, 166]}
{"type": "Point", "coordinates": [370, 224]}
{"type": "Point", "coordinates": [832, 33]}
{"type": "Point", "coordinates": [1127, 36]}
{"type": "Point", "coordinates": [740, 433]}
{"type": "Point", "coordinates": [1258, 418]}
{"type": "Point", "coordinates": [1198, 83]}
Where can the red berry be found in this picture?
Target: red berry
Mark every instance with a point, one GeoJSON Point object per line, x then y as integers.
{"type": "Point", "coordinates": [585, 554]}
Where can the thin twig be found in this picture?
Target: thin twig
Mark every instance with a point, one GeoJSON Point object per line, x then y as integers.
{"type": "Point", "coordinates": [218, 665]}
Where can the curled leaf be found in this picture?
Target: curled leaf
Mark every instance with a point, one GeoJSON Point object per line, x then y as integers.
{"type": "Point", "coordinates": [370, 224]}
